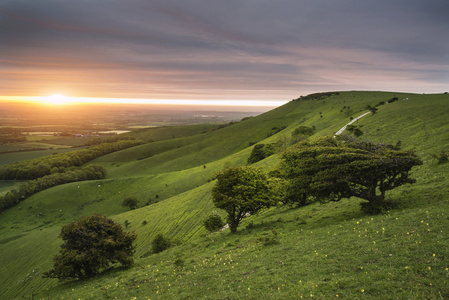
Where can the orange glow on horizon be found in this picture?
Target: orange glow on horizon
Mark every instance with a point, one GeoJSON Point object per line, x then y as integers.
{"type": "Point", "coordinates": [59, 99]}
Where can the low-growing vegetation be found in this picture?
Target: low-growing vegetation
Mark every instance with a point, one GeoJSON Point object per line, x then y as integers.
{"type": "Point", "coordinates": [130, 202]}
{"type": "Point", "coordinates": [213, 223]}
{"type": "Point", "coordinates": [261, 151]}
{"type": "Point", "coordinates": [160, 243]}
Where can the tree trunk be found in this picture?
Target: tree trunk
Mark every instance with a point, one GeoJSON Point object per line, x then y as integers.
{"type": "Point", "coordinates": [233, 226]}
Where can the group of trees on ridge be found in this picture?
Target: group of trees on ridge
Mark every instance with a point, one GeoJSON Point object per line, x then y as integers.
{"type": "Point", "coordinates": [60, 162]}
{"type": "Point", "coordinates": [325, 169]}
{"type": "Point", "coordinates": [31, 187]}
{"type": "Point", "coordinates": [56, 169]}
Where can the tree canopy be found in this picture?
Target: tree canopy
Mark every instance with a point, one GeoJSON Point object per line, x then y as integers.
{"type": "Point", "coordinates": [243, 191]}
{"type": "Point", "coordinates": [330, 169]}
{"type": "Point", "coordinates": [91, 244]}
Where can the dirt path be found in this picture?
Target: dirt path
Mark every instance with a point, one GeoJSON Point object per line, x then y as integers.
{"type": "Point", "coordinates": [352, 121]}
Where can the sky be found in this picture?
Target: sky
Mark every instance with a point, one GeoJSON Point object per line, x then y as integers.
{"type": "Point", "coordinates": [258, 51]}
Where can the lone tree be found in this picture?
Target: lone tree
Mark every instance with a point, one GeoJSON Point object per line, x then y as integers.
{"type": "Point", "coordinates": [330, 169]}
{"type": "Point", "coordinates": [91, 244]}
{"type": "Point", "coordinates": [243, 191]}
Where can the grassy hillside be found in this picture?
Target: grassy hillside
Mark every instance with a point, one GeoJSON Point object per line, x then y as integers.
{"type": "Point", "coordinates": [327, 251]}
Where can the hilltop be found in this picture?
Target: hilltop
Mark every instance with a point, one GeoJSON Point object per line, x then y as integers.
{"type": "Point", "coordinates": [331, 250]}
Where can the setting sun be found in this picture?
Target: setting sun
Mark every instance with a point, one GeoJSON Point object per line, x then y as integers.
{"type": "Point", "coordinates": [57, 99]}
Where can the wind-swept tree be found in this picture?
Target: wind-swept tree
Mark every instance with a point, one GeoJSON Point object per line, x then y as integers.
{"type": "Point", "coordinates": [330, 169]}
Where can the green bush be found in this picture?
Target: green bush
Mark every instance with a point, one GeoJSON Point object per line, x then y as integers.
{"type": "Point", "coordinates": [160, 243]}
{"type": "Point", "coordinates": [261, 151]}
{"type": "Point", "coordinates": [269, 240]}
{"type": "Point", "coordinates": [213, 223]}
{"type": "Point", "coordinates": [355, 130]}
{"type": "Point", "coordinates": [130, 202]}
{"type": "Point", "coordinates": [304, 130]}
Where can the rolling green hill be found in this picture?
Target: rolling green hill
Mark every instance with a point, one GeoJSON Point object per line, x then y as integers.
{"type": "Point", "coordinates": [327, 251]}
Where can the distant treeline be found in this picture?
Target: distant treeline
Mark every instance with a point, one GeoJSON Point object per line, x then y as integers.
{"type": "Point", "coordinates": [110, 139]}
{"type": "Point", "coordinates": [72, 174]}
{"type": "Point", "coordinates": [317, 96]}
{"type": "Point", "coordinates": [60, 162]}
{"type": "Point", "coordinates": [5, 139]}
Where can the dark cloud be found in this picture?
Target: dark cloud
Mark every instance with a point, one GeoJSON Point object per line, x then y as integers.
{"type": "Point", "coordinates": [201, 48]}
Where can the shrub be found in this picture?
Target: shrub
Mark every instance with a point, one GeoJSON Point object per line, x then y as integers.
{"type": "Point", "coordinates": [261, 151]}
{"type": "Point", "coordinates": [355, 130]}
{"type": "Point", "coordinates": [394, 99]}
{"type": "Point", "coordinates": [373, 110]}
{"type": "Point", "coordinates": [269, 240]}
{"type": "Point", "coordinates": [160, 243]}
{"type": "Point", "coordinates": [213, 223]}
{"type": "Point", "coordinates": [130, 202]}
{"type": "Point", "coordinates": [304, 130]}
{"type": "Point", "coordinates": [90, 244]}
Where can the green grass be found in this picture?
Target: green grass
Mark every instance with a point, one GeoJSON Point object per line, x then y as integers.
{"type": "Point", "coordinates": [9, 158]}
{"type": "Point", "coordinates": [6, 186]}
{"type": "Point", "coordinates": [170, 132]}
{"type": "Point", "coordinates": [29, 146]}
{"type": "Point", "coordinates": [320, 251]}
{"type": "Point", "coordinates": [327, 251]}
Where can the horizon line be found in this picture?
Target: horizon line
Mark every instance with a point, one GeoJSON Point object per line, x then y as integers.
{"type": "Point", "coordinates": [67, 100]}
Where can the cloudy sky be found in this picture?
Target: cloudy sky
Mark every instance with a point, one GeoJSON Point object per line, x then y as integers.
{"type": "Point", "coordinates": [221, 49]}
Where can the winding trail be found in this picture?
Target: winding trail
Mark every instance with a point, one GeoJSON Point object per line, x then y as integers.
{"type": "Point", "coordinates": [352, 121]}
